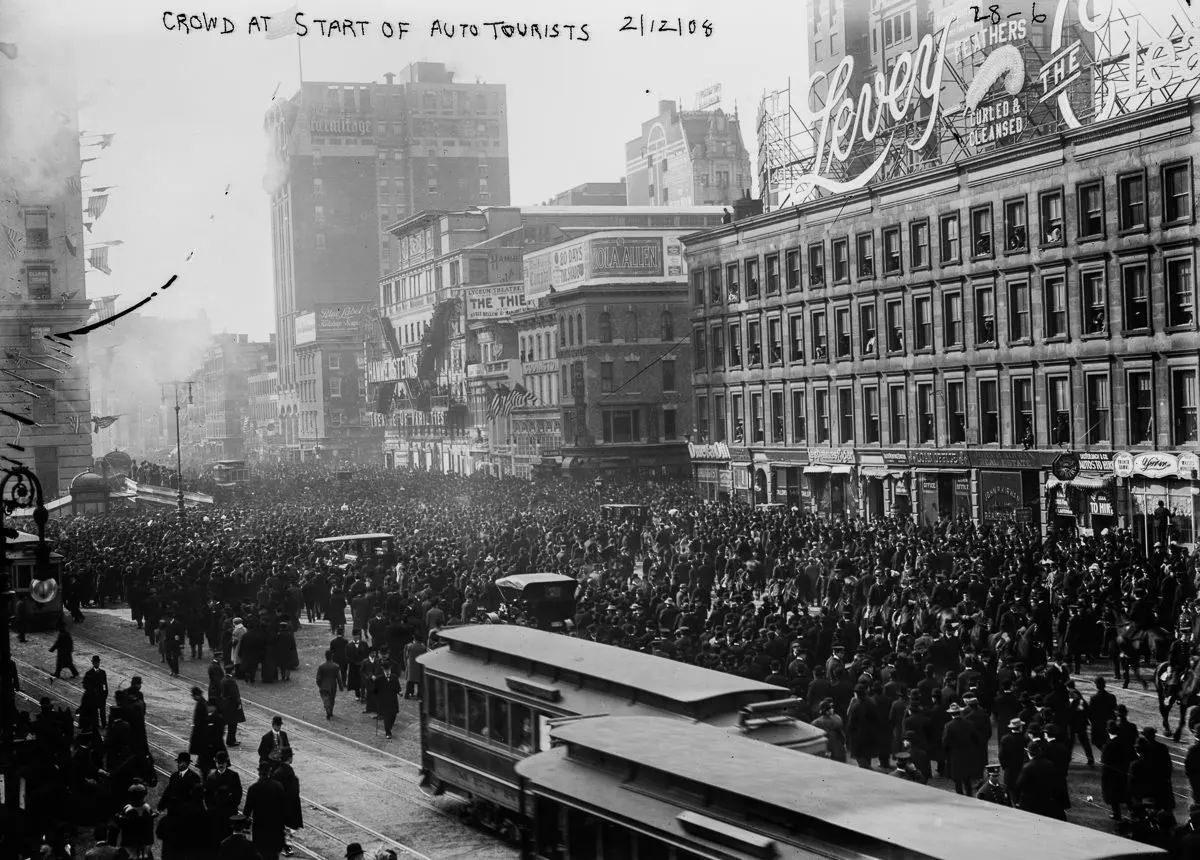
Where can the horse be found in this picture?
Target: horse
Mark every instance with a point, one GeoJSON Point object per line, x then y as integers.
{"type": "Point", "coordinates": [1176, 681]}
{"type": "Point", "coordinates": [1131, 645]}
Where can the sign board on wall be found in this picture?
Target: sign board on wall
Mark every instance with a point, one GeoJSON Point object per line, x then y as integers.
{"type": "Point", "coordinates": [604, 256]}
{"type": "Point", "coordinates": [627, 258]}
{"type": "Point", "coordinates": [345, 319]}
{"type": "Point", "coordinates": [490, 303]}
{"type": "Point", "coordinates": [1000, 495]}
{"type": "Point", "coordinates": [306, 329]}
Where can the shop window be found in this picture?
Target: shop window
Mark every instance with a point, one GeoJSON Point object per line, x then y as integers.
{"type": "Point", "coordinates": [1050, 204]}
{"type": "Point", "coordinates": [1095, 301]}
{"type": "Point", "coordinates": [796, 348]}
{"type": "Point", "coordinates": [891, 251]}
{"type": "Point", "coordinates": [1131, 201]}
{"type": "Point", "coordinates": [918, 243]}
{"type": "Point", "coordinates": [793, 270]}
{"type": "Point", "coordinates": [1056, 306]}
{"type": "Point", "coordinates": [948, 238]}
{"type": "Point", "coordinates": [1016, 233]}
{"type": "Point", "coordinates": [1022, 395]}
{"type": "Point", "coordinates": [1183, 407]}
{"type": "Point", "coordinates": [870, 401]}
{"type": "Point", "coordinates": [989, 412]}
{"type": "Point", "coordinates": [772, 274]}
{"type": "Point", "coordinates": [898, 414]}
{"type": "Point", "coordinates": [841, 260]}
{"type": "Point", "coordinates": [981, 231]}
{"type": "Point", "coordinates": [866, 329]}
{"type": "Point", "coordinates": [985, 316]}
{"type": "Point", "coordinates": [1018, 312]}
{"type": "Point", "coordinates": [821, 414]}
{"type": "Point", "coordinates": [1136, 297]}
{"type": "Point", "coordinates": [819, 336]}
{"type": "Point", "coordinates": [865, 248]}
{"type": "Point", "coordinates": [952, 319]}
{"type": "Point", "coordinates": [1091, 210]}
{"type": "Point", "coordinates": [1177, 193]}
{"type": "Point", "coordinates": [1181, 293]}
{"type": "Point", "coordinates": [1059, 410]}
{"type": "Point", "coordinates": [1141, 407]}
{"type": "Point", "coordinates": [816, 265]}
{"type": "Point", "coordinates": [1099, 409]}
{"type": "Point", "coordinates": [926, 416]}
{"type": "Point", "coordinates": [923, 322]}
{"type": "Point", "coordinates": [799, 417]}
{"type": "Point", "coordinates": [956, 411]}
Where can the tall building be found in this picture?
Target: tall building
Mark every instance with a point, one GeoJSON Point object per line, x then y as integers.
{"type": "Point", "coordinates": [42, 267]}
{"type": "Point", "coordinates": [1013, 337]}
{"type": "Point", "coordinates": [229, 363]}
{"type": "Point", "coordinates": [687, 158]}
{"type": "Point", "coordinates": [345, 160]}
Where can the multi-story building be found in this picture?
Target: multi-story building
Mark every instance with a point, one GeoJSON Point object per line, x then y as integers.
{"type": "Point", "coordinates": [42, 268]}
{"type": "Point", "coordinates": [687, 158]}
{"type": "Point", "coordinates": [262, 434]}
{"type": "Point", "coordinates": [229, 363]}
{"type": "Point", "coordinates": [937, 343]}
{"type": "Point", "coordinates": [345, 157]}
{"type": "Point", "coordinates": [331, 375]}
{"type": "Point", "coordinates": [619, 304]}
{"type": "Point", "coordinates": [454, 316]}
{"type": "Point", "coordinates": [591, 194]}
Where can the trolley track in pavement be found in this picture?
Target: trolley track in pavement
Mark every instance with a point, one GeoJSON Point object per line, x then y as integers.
{"type": "Point", "coordinates": [417, 799]}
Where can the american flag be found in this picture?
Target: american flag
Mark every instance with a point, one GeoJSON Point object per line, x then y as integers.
{"type": "Point", "coordinates": [98, 258]}
{"type": "Point", "coordinates": [282, 24]}
{"type": "Point", "coordinates": [14, 241]}
{"type": "Point", "coordinates": [520, 396]}
{"type": "Point", "coordinates": [499, 395]}
{"type": "Point", "coordinates": [97, 203]}
{"type": "Point", "coordinates": [71, 246]}
{"type": "Point", "coordinates": [73, 185]}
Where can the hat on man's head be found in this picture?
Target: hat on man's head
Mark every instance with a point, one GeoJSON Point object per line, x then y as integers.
{"type": "Point", "coordinates": [239, 821]}
{"type": "Point", "coordinates": [353, 850]}
{"type": "Point", "coordinates": [183, 756]}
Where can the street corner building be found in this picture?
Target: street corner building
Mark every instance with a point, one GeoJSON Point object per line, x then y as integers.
{"type": "Point", "coordinates": [997, 323]}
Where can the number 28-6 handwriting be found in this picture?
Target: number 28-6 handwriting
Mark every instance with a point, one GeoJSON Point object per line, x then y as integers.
{"type": "Point", "coordinates": [643, 26]}
{"type": "Point", "coordinates": [991, 14]}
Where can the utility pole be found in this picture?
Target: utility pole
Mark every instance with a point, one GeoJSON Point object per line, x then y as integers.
{"type": "Point", "coordinates": [178, 443]}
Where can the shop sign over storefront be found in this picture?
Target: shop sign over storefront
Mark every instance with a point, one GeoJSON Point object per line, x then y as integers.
{"type": "Point", "coordinates": [1154, 464]}
{"type": "Point", "coordinates": [831, 455]}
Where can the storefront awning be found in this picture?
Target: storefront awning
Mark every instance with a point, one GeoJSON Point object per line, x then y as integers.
{"type": "Point", "coordinates": [1081, 482]}
{"type": "Point", "coordinates": [881, 472]}
{"type": "Point", "coordinates": [817, 469]}
{"type": "Point", "coordinates": [841, 469]}
{"type": "Point", "coordinates": [945, 473]}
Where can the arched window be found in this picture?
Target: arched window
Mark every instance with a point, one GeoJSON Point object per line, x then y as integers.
{"type": "Point", "coordinates": [570, 331]}
{"type": "Point", "coordinates": [522, 355]}
{"type": "Point", "coordinates": [562, 332]}
{"type": "Point", "coordinates": [668, 326]}
{"type": "Point", "coordinates": [579, 328]}
{"type": "Point", "coordinates": [631, 327]}
{"type": "Point", "coordinates": [605, 327]}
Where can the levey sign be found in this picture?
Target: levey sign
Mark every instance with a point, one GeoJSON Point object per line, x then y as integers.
{"type": "Point", "coordinates": [1154, 69]}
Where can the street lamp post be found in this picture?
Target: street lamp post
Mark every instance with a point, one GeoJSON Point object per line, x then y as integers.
{"type": "Point", "coordinates": [178, 443]}
{"type": "Point", "coordinates": [26, 489]}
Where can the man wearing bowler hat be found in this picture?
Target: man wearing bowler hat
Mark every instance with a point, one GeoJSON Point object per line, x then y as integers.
{"type": "Point", "coordinates": [237, 845]}
{"type": "Point", "coordinates": [354, 851]}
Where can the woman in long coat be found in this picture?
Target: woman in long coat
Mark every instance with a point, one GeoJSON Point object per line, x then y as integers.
{"type": "Point", "coordinates": [286, 655]}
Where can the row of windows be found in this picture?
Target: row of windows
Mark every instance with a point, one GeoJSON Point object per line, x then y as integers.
{"type": "Point", "coordinates": [1079, 305]}
{"type": "Point", "coordinates": [741, 280]}
{"type": "Point", "coordinates": [903, 413]}
{"type": "Point", "coordinates": [623, 426]}
{"type": "Point", "coordinates": [536, 347]}
{"type": "Point", "coordinates": [630, 370]}
{"type": "Point", "coordinates": [570, 328]}
{"type": "Point", "coordinates": [493, 719]}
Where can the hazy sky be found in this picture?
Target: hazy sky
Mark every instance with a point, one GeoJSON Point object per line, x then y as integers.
{"type": "Point", "coordinates": [187, 112]}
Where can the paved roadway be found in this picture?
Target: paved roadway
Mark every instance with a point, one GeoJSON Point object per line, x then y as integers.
{"type": "Point", "coordinates": [359, 786]}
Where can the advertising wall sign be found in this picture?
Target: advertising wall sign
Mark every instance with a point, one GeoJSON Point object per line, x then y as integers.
{"type": "Point", "coordinates": [306, 328]}
{"type": "Point", "coordinates": [831, 455]}
{"type": "Point", "coordinates": [341, 320]}
{"type": "Point", "coordinates": [602, 256]}
{"type": "Point", "coordinates": [1000, 495]}
{"type": "Point", "coordinates": [1148, 464]}
{"type": "Point", "coordinates": [490, 303]}
{"type": "Point", "coordinates": [627, 258]}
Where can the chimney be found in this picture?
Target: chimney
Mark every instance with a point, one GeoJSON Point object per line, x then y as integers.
{"type": "Point", "coordinates": [389, 77]}
{"type": "Point", "coordinates": [746, 207]}
{"type": "Point", "coordinates": [666, 106]}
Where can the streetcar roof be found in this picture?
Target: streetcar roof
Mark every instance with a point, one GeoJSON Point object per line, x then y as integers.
{"type": "Point", "coordinates": [681, 682]}
{"type": "Point", "coordinates": [340, 538]}
{"type": "Point", "coordinates": [876, 813]}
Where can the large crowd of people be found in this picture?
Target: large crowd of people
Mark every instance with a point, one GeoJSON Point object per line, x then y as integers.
{"type": "Point", "coordinates": [912, 647]}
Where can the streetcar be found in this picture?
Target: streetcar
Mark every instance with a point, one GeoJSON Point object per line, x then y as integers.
{"type": "Point", "coordinates": [651, 789]}
{"type": "Point", "coordinates": [491, 696]}
{"type": "Point", "coordinates": [228, 473]}
{"type": "Point", "coordinates": [549, 597]}
{"type": "Point", "coordinates": [38, 600]}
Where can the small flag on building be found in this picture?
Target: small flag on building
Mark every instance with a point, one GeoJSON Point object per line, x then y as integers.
{"type": "Point", "coordinates": [88, 226]}
{"type": "Point", "coordinates": [497, 402]}
{"type": "Point", "coordinates": [521, 396]}
{"type": "Point", "coordinates": [104, 421]}
{"type": "Point", "coordinates": [106, 140]}
{"type": "Point", "coordinates": [97, 203]}
{"type": "Point", "coordinates": [71, 246]}
{"type": "Point", "coordinates": [73, 185]}
{"type": "Point", "coordinates": [75, 424]}
{"type": "Point", "coordinates": [98, 259]}
{"type": "Point", "coordinates": [283, 24]}
{"type": "Point", "coordinates": [14, 241]}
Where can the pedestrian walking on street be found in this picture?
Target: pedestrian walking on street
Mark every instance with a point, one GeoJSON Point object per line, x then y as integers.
{"type": "Point", "coordinates": [64, 651]}
{"type": "Point", "coordinates": [222, 797]}
{"type": "Point", "coordinates": [1114, 770]}
{"type": "Point", "coordinates": [266, 806]}
{"type": "Point", "coordinates": [216, 674]}
{"type": "Point", "coordinates": [992, 790]}
{"type": "Point", "coordinates": [273, 742]}
{"type": "Point", "coordinates": [93, 710]}
{"type": "Point", "coordinates": [1042, 788]}
{"type": "Point", "coordinates": [181, 782]}
{"type": "Point", "coordinates": [354, 851]}
{"type": "Point", "coordinates": [136, 824]}
{"type": "Point", "coordinates": [287, 655]}
{"type": "Point", "coordinates": [388, 699]}
{"type": "Point", "coordinates": [230, 704]}
{"type": "Point", "coordinates": [184, 831]}
{"type": "Point", "coordinates": [329, 681]}
{"type": "Point", "coordinates": [285, 775]}
{"type": "Point", "coordinates": [356, 655]}
{"type": "Point", "coordinates": [412, 668]}
{"type": "Point", "coordinates": [238, 846]}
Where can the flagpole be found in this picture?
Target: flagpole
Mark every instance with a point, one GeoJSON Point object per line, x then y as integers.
{"type": "Point", "coordinates": [300, 59]}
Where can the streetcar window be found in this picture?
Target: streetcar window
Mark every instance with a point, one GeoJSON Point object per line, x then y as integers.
{"type": "Point", "coordinates": [582, 835]}
{"type": "Point", "coordinates": [499, 722]}
{"type": "Point", "coordinates": [548, 834]}
{"type": "Point", "coordinates": [477, 713]}
{"type": "Point", "coordinates": [649, 848]}
{"type": "Point", "coordinates": [456, 706]}
{"type": "Point", "coordinates": [435, 700]}
{"type": "Point", "coordinates": [522, 722]}
{"type": "Point", "coordinates": [616, 841]}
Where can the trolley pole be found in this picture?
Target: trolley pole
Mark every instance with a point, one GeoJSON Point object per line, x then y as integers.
{"type": "Point", "coordinates": [179, 443]}
{"type": "Point", "coordinates": [26, 489]}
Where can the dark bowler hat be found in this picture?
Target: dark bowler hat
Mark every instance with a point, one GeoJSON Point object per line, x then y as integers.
{"type": "Point", "coordinates": [238, 821]}
{"type": "Point", "coordinates": [183, 756]}
{"type": "Point", "coordinates": [353, 850]}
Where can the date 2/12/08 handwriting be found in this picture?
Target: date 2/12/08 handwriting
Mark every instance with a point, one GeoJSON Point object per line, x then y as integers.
{"type": "Point", "coordinates": [644, 26]}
